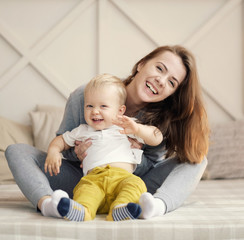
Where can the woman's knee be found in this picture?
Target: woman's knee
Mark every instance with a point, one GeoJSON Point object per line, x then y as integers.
{"type": "Point", "coordinates": [16, 153]}
{"type": "Point", "coordinates": [13, 150]}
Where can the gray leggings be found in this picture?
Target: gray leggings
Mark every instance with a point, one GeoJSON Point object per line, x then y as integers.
{"type": "Point", "coordinates": [27, 166]}
{"type": "Point", "coordinates": [168, 179]}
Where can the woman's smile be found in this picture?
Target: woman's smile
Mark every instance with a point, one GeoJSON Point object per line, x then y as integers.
{"type": "Point", "coordinates": [151, 87]}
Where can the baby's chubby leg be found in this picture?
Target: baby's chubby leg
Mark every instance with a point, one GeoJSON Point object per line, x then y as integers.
{"type": "Point", "coordinates": [127, 193]}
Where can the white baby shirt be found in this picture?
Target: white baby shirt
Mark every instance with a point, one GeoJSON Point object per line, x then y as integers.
{"type": "Point", "coordinates": [108, 146]}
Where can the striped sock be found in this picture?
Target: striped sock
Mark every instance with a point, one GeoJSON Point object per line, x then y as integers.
{"type": "Point", "coordinates": [126, 212]}
{"type": "Point", "coordinates": [71, 210]}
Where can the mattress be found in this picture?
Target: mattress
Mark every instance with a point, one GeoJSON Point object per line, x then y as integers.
{"type": "Point", "coordinates": [214, 211]}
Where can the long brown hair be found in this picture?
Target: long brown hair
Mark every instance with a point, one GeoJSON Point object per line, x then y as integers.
{"type": "Point", "coordinates": [181, 117]}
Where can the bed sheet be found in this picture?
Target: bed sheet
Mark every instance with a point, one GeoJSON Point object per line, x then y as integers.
{"type": "Point", "coordinates": [214, 211]}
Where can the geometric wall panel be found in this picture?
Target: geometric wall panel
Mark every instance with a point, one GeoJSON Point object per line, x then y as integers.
{"type": "Point", "coordinates": [26, 87]}
{"type": "Point", "coordinates": [52, 47]}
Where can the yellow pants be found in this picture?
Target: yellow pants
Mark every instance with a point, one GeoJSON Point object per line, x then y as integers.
{"type": "Point", "coordinates": [105, 187]}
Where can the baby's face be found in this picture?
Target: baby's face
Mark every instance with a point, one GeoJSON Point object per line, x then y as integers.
{"type": "Point", "coordinates": [101, 107]}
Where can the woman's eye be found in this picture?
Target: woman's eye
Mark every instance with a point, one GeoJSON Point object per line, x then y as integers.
{"type": "Point", "coordinates": [159, 68]}
{"type": "Point", "coordinates": [172, 83]}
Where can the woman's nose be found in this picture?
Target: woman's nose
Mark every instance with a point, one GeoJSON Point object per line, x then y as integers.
{"type": "Point", "coordinates": [161, 81]}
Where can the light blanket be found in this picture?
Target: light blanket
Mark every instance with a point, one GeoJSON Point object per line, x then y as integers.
{"type": "Point", "coordinates": [214, 211]}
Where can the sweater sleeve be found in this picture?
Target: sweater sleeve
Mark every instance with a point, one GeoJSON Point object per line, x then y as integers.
{"type": "Point", "coordinates": [73, 117]}
{"type": "Point", "coordinates": [74, 111]}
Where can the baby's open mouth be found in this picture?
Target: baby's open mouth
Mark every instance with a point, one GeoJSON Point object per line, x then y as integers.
{"type": "Point", "coordinates": [97, 120]}
{"type": "Point", "coordinates": [154, 91]}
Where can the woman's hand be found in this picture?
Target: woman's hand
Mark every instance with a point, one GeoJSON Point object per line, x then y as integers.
{"type": "Point", "coordinates": [80, 149]}
{"type": "Point", "coordinates": [134, 143]}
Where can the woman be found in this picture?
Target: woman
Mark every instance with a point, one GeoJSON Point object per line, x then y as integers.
{"type": "Point", "coordinates": [163, 90]}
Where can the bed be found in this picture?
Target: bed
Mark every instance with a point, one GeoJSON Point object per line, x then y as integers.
{"type": "Point", "coordinates": [215, 210]}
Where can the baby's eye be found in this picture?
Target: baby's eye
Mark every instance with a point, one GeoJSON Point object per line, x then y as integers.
{"type": "Point", "coordinates": [104, 106]}
{"type": "Point", "coordinates": [89, 106]}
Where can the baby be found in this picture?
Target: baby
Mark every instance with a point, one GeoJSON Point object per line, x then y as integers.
{"type": "Point", "coordinates": [108, 185]}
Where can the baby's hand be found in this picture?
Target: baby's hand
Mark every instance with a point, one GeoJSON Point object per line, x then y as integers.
{"type": "Point", "coordinates": [129, 125]}
{"type": "Point", "coordinates": [53, 163]}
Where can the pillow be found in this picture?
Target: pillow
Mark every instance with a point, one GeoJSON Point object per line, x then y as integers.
{"type": "Point", "coordinates": [6, 176]}
{"type": "Point", "coordinates": [13, 132]}
{"type": "Point", "coordinates": [45, 122]}
{"type": "Point", "coordinates": [226, 151]}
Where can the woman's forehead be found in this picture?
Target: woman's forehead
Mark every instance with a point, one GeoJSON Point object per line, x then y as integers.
{"type": "Point", "coordinates": [166, 55]}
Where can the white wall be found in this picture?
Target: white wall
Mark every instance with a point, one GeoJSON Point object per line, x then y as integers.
{"type": "Point", "coordinates": [48, 48]}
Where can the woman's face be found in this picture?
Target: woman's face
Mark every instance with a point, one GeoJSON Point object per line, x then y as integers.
{"type": "Point", "coordinates": [159, 78]}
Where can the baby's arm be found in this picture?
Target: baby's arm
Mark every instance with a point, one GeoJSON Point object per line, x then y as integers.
{"type": "Point", "coordinates": [54, 159]}
{"type": "Point", "coordinates": [151, 135]}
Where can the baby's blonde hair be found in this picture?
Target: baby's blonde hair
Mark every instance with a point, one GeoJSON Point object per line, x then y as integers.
{"type": "Point", "coordinates": [104, 80]}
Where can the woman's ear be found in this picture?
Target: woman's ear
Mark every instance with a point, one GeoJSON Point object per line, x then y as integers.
{"type": "Point", "coordinates": [139, 66]}
{"type": "Point", "coordinates": [122, 109]}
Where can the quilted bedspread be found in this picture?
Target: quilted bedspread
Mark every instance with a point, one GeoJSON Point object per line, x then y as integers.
{"type": "Point", "coordinates": [214, 211]}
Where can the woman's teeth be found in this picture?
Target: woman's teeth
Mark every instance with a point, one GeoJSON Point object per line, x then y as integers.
{"type": "Point", "coordinates": [154, 91]}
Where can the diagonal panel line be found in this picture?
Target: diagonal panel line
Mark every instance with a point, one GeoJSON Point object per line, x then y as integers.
{"type": "Point", "coordinates": [12, 39]}
{"type": "Point", "coordinates": [203, 31]}
{"type": "Point", "coordinates": [190, 42]}
{"type": "Point", "coordinates": [30, 55]}
{"type": "Point", "coordinates": [27, 58]}
{"type": "Point", "coordinates": [51, 77]}
{"type": "Point", "coordinates": [13, 71]}
{"type": "Point", "coordinates": [16, 43]}
{"type": "Point", "coordinates": [61, 26]}
{"type": "Point", "coordinates": [147, 29]}
{"type": "Point", "coordinates": [213, 21]}
{"type": "Point", "coordinates": [219, 104]}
